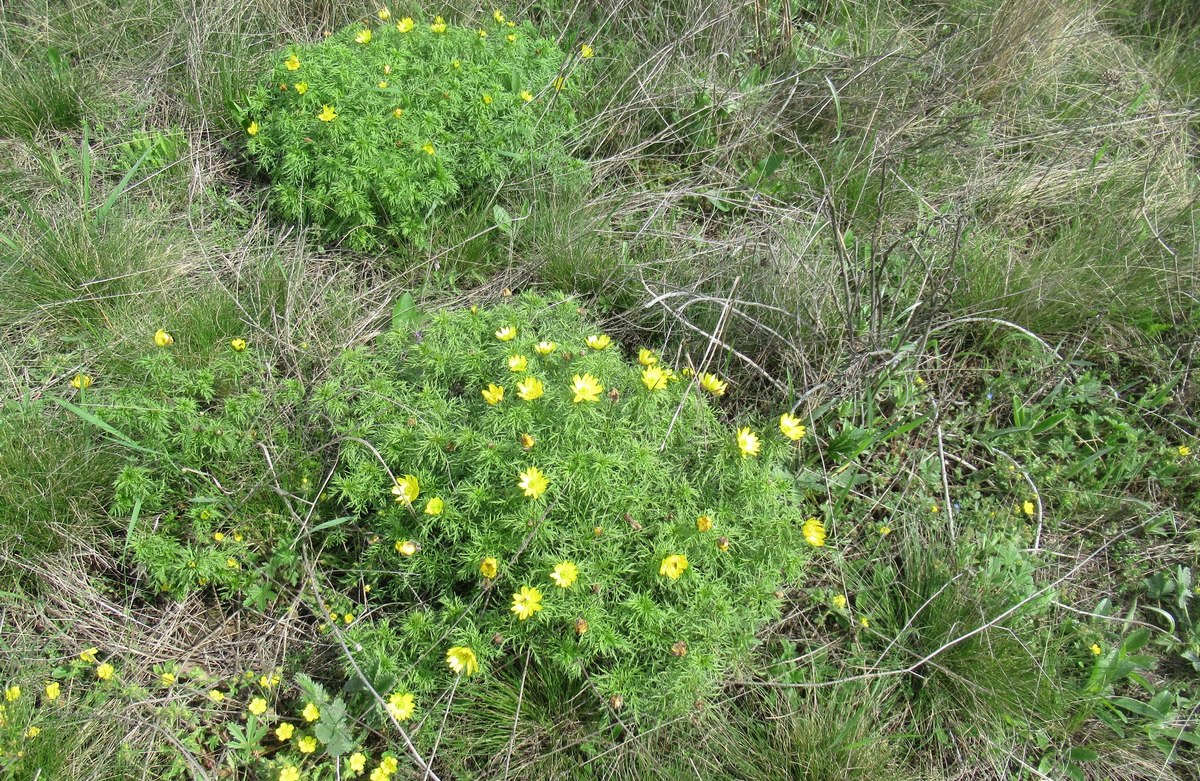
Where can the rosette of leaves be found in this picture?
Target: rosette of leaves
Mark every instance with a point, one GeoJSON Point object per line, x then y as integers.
{"type": "Point", "coordinates": [629, 476]}
{"type": "Point", "coordinates": [366, 141]}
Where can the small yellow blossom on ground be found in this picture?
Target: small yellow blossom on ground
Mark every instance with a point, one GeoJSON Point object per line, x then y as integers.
{"type": "Point", "coordinates": [704, 523]}
{"type": "Point", "coordinates": [790, 427]}
{"type": "Point", "coordinates": [487, 99]}
{"type": "Point", "coordinates": [163, 339]}
{"type": "Point", "coordinates": [530, 388]}
{"type": "Point", "coordinates": [301, 87]}
{"type": "Point", "coordinates": [526, 95]}
{"type": "Point", "coordinates": [586, 52]}
{"type": "Point", "coordinates": [439, 25]}
{"type": "Point", "coordinates": [216, 695]}
{"type": "Point", "coordinates": [311, 712]}
{"type": "Point", "coordinates": [1184, 451]}
{"type": "Point", "coordinates": [814, 532]}
{"type": "Point", "coordinates": [934, 508]}
{"type": "Point", "coordinates": [327, 114]}
{"type": "Point", "coordinates": [517, 363]}
{"type": "Point", "coordinates": [526, 602]}
{"type": "Point", "coordinates": [435, 506]}
{"type": "Point", "coordinates": [533, 482]}
{"type": "Point", "coordinates": [252, 129]}
{"type": "Point", "coordinates": [646, 358]}
{"type": "Point", "coordinates": [527, 441]}
{"type": "Point", "coordinates": [455, 64]}
{"type": "Point", "coordinates": [748, 442]}
{"type": "Point", "coordinates": [383, 14]}
{"type": "Point", "coordinates": [357, 762]}
{"type": "Point", "coordinates": [400, 706]}
{"type": "Point", "coordinates": [839, 601]}
{"type": "Point", "coordinates": [218, 537]}
{"type": "Point", "coordinates": [53, 690]}
{"type": "Point", "coordinates": [499, 17]}
{"type": "Point", "coordinates": [482, 34]}
{"type": "Point", "coordinates": [397, 112]}
{"type": "Point", "coordinates": [462, 660]}
{"type": "Point", "coordinates": [673, 566]}
{"type": "Point", "coordinates": [406, 489]}
{"type": "Point", "coordinates": [599, 341]}
{"type": "Point", "coordinates": [167, 680]}
{"type": "Point", "coordinates": [12, 694]}
{"type": "Point", "coordinates": [363, 36]}
{"type": "Point", "coordinates": [81, 381]}
{"type": "Point", "coordinates": [105, 671]}
{"type": "Point", "coordinates": [269, 682]}
{"type": "Point", "coordinates": [544, 348]}
{"type": "Point", "coordinates": [1028, 508]}
{"type": "Point", "coordinates": [713, 384]}
{"type": "Point", "coordinates": [885, 530]}
{"type": "Point", "coordinates": [654, 378]}
{"type": "Point", "coordinates": [864, 622]}
{"type": "Point", "coordinates": [489, 567]}
{"type": "Point", "coordinates": [507, 333]}
{"type": "Point", "coordinates": [389, 765]}
{"type": "Point", "coordinates": [405, 25]}
{"type": "Point", "coordinates": [284, 731]}
{"type": "Point", "coordinates": [348, 618]}
{"type": "Point", "coordinates": [307, 745]}
{"type": "Point", "coordinates": [1096, 650]}
{"type": "Point", "coordinates": [586, 388]}
{"type": "Point", "coordinates": [89, 655]}
{"type": "Point", "coordinates": [493, 394]}
{"type": "Point", "coordinates": [565, 574]}
{"type": "Point", "coordinates": [382, 84]}
{"type": "Point", "coordinates": [258, 706]}
{"type": "Point", "coordinates": [33, 732]}
{"type": "Point", "coordinates": [289, 773]}
{"type": "Point", "coordinates": [406, 548]}
{"type": "Point", "coordinates": [292, 63]}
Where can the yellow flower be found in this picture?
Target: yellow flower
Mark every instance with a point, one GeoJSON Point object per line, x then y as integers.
{"type": "Point", "coordinates": [258, 706]}
{"type": "Point", "coordinates": [284, 731]}
{"type": "Point", "coordinates": [1096, 649]}
{"type": "Point", "coordinates": [439, 25]}
{"type": "Point", "coordinates": [53, 690]}
{"type": "Point", "coordinates": [218, 537]}
{"type": "Point", "coordinates": [482, 34]}
{"type": "Point", "coordinates": [105, 671]}
{"type": "Point", "coordinates": [1028, 508]}
{"type": "Point", "coordinates": [12, 693]}
{"type": "Point", "coordinates": [383, 14]}
{"type": "Point", "coordinates": [348, 618]}
{"type": "Point", "coordinates": [517, 363]}
{"type": "Point", "coordinates": [544, 348]}
{"type": "Point", "coordinates": [713, 384]}
{"type": "Point", "coordinates": [401, 706]}
{"type": "Point", "coordinates": [559, 83]}
{"type": "Point", "coordinates": [499, 17]}
{"type": "Point", "coordinates": [586, 388]}
{"type": "Point", "coordinates": [301, 87]}
{"type": "Point", "coordinates": [646, 358]}
{"type": "Point", "coordinates": [268, 682]}
{"type": "Point", "coordinates": [565, 573]}
{"type": "Point", "coordinates": [864, 622]}
{"type": "Point", "coordinates": [673, 566]}
{"type": "Point", "coordinates": [389, 765]}
{"type": "Point", "coordinates": [507, 333]}
{"type": "Point", "coordinates": [455, 64]}
{"type": "Point", "coordinates": [1184, 451]}
{"type": "Point", "coordinates": [533, 483]}
{"type": "Point", "coordinates": [163, 339]}
{"type": "Point", "coordinates": [406, 489]}
{"type": "Point", "coordinates": [311, 712]}
{"type": "Point", "coordinates": [406, 548]}
{"type": "Point", "coordinates": [327, 114]}
{"type": "Point", "coordinates": [598, 341]}
{"type": "Point", "coordinates": [748, 442]}
{"type": "Point", "coordinates": [527, 441]}
{"type": "Point", "coordinates": [216, 695]}
{"type": "Point", "coordinates": [292, 62]}
{"type": "Point", "coordinates": [307, 745]}
{"type": "Point", "coordinates": [238, 345]}
{"type": "Point", "coordinates": [252, 129]}
{"type": "Point", "coordinates": [885, 530]}
{"type": "Point", "coordinates": [462, 660]}
{"type": "Point", "coordinates": [435, 506]}
{"type": "Point", "coordinates": [33, 732]}
{"type": "Point", "coordinates": [526, 95]}
{"type": "Point", "coordinates": [397, 112]}
{"type": "Point", "coordinates": [358, 761]}
{"type": "Point", "coordinates": [526, 602]}
{"type": "Point", "coordinates": [387, 69]}
{"type": "Point", "coordinates": [790, 427]}
{"type": "Point", "coordinates": [487, 99]}
{"type": "Point", "coordinates": [511, 23]}
{"type": "Point", "coordinates": [405, 25]}
{"type": "Point", "coordinates": [530, 388]}
{"type": "Point", "coordinates": [704, 523]}
{"type": "Point", "coordinates": [586, 52]}
{"type": "Point", "coordinates": [511, 38]}
{"type": "Point", "coordinates": [839, 601]}
{"type": "Point", "coordinates": [493, 394]}
{"type": "Point", "coordinates": [654, 378]}
{"type": "Point", "coordinates": [382, 84]}
{"type": "Point", "coordinates": [363, 37]}
{"type": "Point", "coordinates": [489, 568]}
{"type": "Point", "coordinates": [89, 655]}
{"type": "Point", "coordinates": [814, 532]}
{"type": "Point", "coordinates": [723, 544]}
{"type": "Point", "coordinates": [81, 381]}
{"type": "Point", "coordinates": [167, 680]}
{"type": "Point", "coordinates": [428, 149]}
{"type": "Point", "coordinates": [289, 773]}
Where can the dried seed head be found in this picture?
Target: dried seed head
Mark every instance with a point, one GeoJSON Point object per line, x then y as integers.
{"type": "Point", "coordinates": [679, 648]}
{"type": "Point", "coordinates": [497, 639]}
{"type": "Point", "coordinates": [581, 626]}
{"type": "Point", "coordinates": [616, 702]}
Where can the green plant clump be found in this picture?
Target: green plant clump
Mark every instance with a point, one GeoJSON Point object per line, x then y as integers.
{"type": "Point", "coordinates": [600, 519]}
{"type": "Point", "coordinates": [366, 134]}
